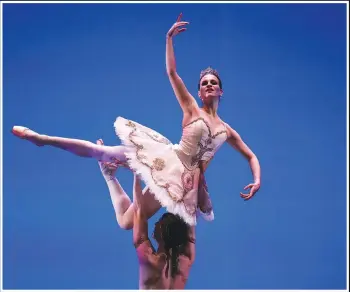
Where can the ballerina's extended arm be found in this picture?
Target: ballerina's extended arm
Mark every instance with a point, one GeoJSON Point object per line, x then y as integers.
{"type": "Point", "coordinates": [186, 100]}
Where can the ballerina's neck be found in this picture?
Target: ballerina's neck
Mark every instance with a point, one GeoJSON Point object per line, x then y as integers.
{"type": "Point", "coordinates": [209, 110]}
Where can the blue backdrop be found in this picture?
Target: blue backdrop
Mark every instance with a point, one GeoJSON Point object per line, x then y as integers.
{"type": "Point", "coordinates": [71, 69]}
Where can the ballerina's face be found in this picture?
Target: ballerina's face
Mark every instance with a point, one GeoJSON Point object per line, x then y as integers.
{"type": "Point", "coordinates": [209, 88]}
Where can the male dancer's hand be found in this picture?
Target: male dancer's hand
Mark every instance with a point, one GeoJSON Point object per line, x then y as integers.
{"type": "Point", "coordinates": [138, 197]}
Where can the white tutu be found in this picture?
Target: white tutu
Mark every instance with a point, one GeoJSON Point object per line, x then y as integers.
{"type": "Point", "coordinates": [154, 158]}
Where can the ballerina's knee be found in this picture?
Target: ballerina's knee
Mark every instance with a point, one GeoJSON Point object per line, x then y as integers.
{"type": "Point", "coordinates": [123, 223]}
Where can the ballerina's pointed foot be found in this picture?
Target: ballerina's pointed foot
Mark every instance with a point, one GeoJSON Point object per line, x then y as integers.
{"type": "Point", "coordinates": [27, 134]}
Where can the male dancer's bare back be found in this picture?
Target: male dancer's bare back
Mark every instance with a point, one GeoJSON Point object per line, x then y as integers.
{"type": "Point", "coordinates": [155, 266]}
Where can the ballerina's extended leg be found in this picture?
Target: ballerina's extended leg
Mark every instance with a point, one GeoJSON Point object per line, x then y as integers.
{"type": "Point", "coordinates": [76, 146]}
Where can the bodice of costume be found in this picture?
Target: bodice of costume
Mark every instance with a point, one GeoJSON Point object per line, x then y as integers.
{"type": "Point", "coordinates": [199, 143]}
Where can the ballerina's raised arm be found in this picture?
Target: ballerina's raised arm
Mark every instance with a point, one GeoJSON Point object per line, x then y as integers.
{"type": "Point", "coordinates": [186, 100]}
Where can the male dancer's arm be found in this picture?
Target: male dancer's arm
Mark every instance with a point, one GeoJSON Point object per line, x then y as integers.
{"type": "Point", "coordinates": [190, 249]}
{"type": "Point", "coordinates": [143, 245]}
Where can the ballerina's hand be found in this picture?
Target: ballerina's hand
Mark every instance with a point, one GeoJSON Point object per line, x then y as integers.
{"type": "Point", "coordinates": [177, 27]}
{"type": "Point", "coordinates": [254, 187]}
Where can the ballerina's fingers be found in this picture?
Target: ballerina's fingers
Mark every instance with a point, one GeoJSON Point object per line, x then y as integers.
{"type": "Point", "coordinates": [248, 186]}
{"type": "Point", "coordinates": [181, 30]}
{"type": "Point", "coordinates": [180, 23]}
{"type": "Point", "coordinates": [177, 28]}
{"type": "Point", "coordinates": [179, 17]}
{"type": "Point", "coordinates": [246, 197]}
{"type": "Point", "coordinates": [253, 190]}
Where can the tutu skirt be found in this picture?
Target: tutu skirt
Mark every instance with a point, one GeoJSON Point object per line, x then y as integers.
{"type": "Point", "coordinates": [154, 158]}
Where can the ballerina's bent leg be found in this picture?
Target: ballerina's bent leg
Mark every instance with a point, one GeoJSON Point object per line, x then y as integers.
{"type": "Point", "coordinates": [123, 207]}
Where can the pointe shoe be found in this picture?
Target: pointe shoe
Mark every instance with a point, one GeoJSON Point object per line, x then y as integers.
{"type": "Point", "coordinates": [19, 131]}
{"type": "Point", "coordinates": [22, 132]}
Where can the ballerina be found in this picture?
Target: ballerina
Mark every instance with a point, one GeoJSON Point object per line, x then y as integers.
{"type": "Point", "coordinates": [173, 173]}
